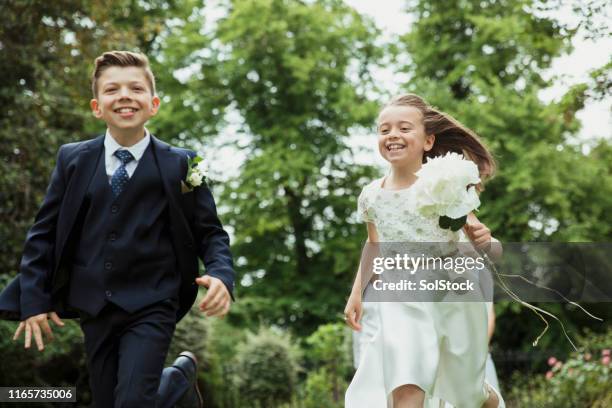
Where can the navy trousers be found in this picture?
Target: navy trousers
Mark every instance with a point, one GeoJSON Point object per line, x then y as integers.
{"type": "Point", "coordinates": [126, 353]}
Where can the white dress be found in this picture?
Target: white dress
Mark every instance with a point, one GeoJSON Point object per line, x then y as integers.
{"type": "Point", "coordinates": [439, 346]}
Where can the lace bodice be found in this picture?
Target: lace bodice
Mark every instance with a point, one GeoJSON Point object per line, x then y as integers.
{"type": "Point", "coordinates": [395, 216]}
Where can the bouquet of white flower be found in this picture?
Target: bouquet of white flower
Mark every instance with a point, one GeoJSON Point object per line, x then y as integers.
{"type": "Point", "coordinates": [446, 187]}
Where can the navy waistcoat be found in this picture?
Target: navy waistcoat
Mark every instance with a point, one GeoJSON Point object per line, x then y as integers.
{"type": "Point", "coordinates": [123, 252]}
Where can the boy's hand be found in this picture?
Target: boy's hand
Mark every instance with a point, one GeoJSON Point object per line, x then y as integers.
{"type": "Point", "coordinates": [479, 234]}
{"type": "Point", "coordinates": [38, 324]}
{"type": "Point", "coordinates": [217, 301]}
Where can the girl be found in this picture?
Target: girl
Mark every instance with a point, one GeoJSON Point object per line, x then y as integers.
{"type": "Point", "coordinates": [417, 352]}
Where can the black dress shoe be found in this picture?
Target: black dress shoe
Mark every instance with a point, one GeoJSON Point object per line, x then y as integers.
{"type": "Point", "coordinates": [187, 363]}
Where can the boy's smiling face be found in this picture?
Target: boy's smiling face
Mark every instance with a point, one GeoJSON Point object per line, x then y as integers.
{"type": "Point", "coordinates": [125, 100]}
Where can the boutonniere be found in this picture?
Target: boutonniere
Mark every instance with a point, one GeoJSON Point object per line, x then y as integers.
{"type": "Point", "coordinates": [196, 173]}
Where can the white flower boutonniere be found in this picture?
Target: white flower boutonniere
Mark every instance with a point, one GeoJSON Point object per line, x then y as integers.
{"type": "Point", "coordinates": [196, 174]}
{"type": "Point", "coordinates": [446, 188]}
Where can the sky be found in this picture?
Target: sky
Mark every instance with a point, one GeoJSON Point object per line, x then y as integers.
{"type": "Point", "coordinates": [390, 17]}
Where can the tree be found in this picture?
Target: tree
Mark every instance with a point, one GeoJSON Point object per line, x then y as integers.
{"type": "Point", "coordinates": [298, 74]}
{"type": "Point", "coordinates": [189, 77]}
{"type": "Point", "coordinates": [480, 44]}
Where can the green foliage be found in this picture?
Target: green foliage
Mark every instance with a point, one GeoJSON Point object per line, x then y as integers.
{"type": "Point", "coordinates": [214, 342]}
{"type": "Point", "coordinates": [188, 74]}
{"type": "Point", "coordinates": [329, 353]}
{"type": "Point", "coordinates": [594, 17]}
{"type": "Point", "coordinates": [61, 364]}
{"type": "Point", "coordinates": [602, 81]}
{"type": "Point", "coordinates": [287, 68]}
{"type": "Point", "coordinates": [479, 43]}
{"type": "Point", "coordinates": [191, 334]}
{"type": "Point", "coordinates": [319, 393]}
{"type": "Point", "coordinates": [266, 369]}
{"type": "Point", "coordinates": [581, 381]}
{"type": "Point", "coordinates": [329, 346]}
{"type": "Point", "coordinates": [218, 373]}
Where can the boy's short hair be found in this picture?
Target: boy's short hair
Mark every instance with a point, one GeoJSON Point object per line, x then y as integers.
{"type": "Point", "coordinates": [121, 59]}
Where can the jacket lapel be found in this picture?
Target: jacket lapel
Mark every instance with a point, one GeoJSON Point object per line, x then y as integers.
{"type": "Point", "coordinates": [173, 168]}
{"type": "Point", "coordinates": [85, 167]}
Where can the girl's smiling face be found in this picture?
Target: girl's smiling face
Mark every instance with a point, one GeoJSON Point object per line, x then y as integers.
{"type": "Point", "coordinates": [401, 135]}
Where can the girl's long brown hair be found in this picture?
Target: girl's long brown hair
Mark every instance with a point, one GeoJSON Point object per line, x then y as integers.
{"type": "Point", "coordinates": [451, 135]}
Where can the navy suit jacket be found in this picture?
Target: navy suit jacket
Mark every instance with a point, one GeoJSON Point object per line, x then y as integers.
{"type": "Point", "coordinates": [196, 232]}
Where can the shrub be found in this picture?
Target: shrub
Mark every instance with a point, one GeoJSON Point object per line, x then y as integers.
{"type": "Point", "coordinates": [581, 381]}
{"type": "Point", "coordinates": [191, 334]}
{"type": "Point", "coordinates": [319, 391]}
{"type": "Point", "coordinates": [266, 368]}
{"type": "Point", "coordinates": [329, 354]}
{"type": "Point", "coordinates": [214, 342]}
{"type": "Point", "coordinates": [61, 364]}
{"type": "Point", "coordinates": [218, 375]}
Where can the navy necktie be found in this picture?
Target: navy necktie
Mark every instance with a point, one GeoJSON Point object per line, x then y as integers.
{"type": "Point", "coordinates": [120, 177]}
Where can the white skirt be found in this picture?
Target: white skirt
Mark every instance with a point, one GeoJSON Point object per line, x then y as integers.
{"type": "Point", "coordinates": [439, 346]}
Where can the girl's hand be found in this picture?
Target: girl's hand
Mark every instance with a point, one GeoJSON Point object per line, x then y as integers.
{"type": "Point", "coordinates": [479, 234]}
{"type": "Point", "coordinates": [353, 311]}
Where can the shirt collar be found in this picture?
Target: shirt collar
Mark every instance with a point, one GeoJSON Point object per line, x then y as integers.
{"type": "Point", "coordinates": [137, 150]}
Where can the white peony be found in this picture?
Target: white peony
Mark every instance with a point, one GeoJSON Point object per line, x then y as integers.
{"type": "Point", "coordinates": [441, 188]}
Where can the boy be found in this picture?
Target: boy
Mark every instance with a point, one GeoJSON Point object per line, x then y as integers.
{"type": "Point", "coordinates": [117, 240]}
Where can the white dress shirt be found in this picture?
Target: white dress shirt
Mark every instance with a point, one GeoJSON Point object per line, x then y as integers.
{"type": "Point", "coordinates": [112, 162]}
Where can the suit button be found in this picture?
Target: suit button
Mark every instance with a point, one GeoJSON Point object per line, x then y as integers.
{"type": "Point", "coordinates": [114, 209]}
{"type": "Point", "coordinates": [108, 293]}
{"type": "Point", "coordinates": [189, 245]}
{"type": "Point", "coordinates": [108, 265]}
{"type": "Point", "coordinates": [112, 237]}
